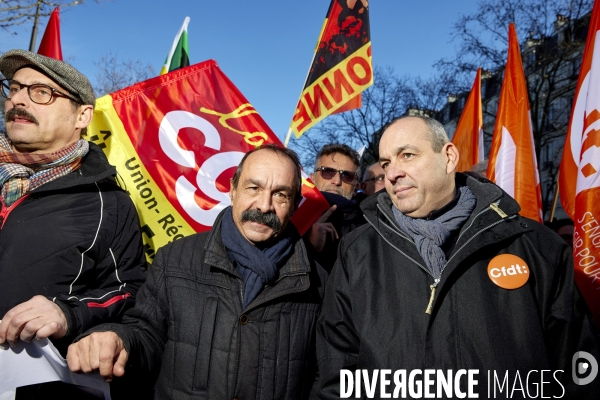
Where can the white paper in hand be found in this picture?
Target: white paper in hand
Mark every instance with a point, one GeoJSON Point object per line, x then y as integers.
{"type": "Point", "coordinates": [38, 362]}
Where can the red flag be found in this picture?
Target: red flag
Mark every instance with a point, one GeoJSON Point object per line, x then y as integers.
{"type": "Point", "coordinates": [176, 140]}
{"type": "Point", "coordinates": [579, 170]}
{"type": "Point", "coordinates": [341, 68]}
{"type": "Point", "coordinates": [50, 45]}
{"type": "Point", "coordinates": [512, 144]}
{"type": "Point", "coordinates": [468, 136]}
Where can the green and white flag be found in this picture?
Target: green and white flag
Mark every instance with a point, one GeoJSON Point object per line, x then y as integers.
{"type": "Point", "coordinates": [179, 55]}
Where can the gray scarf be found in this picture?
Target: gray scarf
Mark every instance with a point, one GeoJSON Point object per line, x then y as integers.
{"type": "Point", "coordinates": [430, 235]}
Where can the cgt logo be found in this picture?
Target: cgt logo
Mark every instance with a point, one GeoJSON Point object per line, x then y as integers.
{"type": "Point", "coordinates": [207, 173]}
{"type": "Point", "coordinates": [583, 364]}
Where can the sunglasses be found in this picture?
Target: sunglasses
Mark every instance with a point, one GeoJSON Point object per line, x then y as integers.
{"type": "Point", "coordinates": [346, 176]}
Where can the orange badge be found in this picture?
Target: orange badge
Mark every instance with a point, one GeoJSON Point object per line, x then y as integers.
{"type": "Point", "coordinates": [508, 271]}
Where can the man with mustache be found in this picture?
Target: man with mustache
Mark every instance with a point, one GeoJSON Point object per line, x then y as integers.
{"type": "Point", "coordinates": [71, 253]}
{"type": "Point", "coordinates": [228, 313]}
{"type": "Point", "coordinates": [336, 176]}
{"type": "Point", "coordinates": [445, 277]}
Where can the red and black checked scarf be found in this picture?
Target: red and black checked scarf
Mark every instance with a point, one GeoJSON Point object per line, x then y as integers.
{"type": "Point", "coordinates": [21, 173]}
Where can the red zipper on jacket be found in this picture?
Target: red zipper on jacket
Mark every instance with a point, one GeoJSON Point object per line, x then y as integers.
{"type": "Point", "coordinates": [6, 210]}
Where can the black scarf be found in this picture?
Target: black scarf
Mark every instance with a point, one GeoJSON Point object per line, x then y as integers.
{"type": "Point", "coordinates": [257, 266]}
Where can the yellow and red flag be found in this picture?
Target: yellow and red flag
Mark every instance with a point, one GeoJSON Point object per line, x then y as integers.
{"type": "Point", "coordinates": [50, 44]}
{"type": "Point", "coordinates": [580, 170]}
{"type": "Point", "coordinates": [176, 141]}
{"type": "Point", "coordinates": [513, 148]}
{"type": "Point", "coordinates": [468, 136]}
{"type": "Point", "coordinates": [341, 67]}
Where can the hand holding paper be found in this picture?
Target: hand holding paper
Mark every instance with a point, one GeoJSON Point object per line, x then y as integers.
{"type": "Point", "coordinates": [38, 317]}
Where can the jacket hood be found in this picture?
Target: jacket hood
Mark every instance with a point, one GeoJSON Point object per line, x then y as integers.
{"type": "Point", "coordinates": [94, 168]}
{"type": "Point", "coordinates": [484, 190]}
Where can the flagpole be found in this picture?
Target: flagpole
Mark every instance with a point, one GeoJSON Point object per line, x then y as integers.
{"type": "Point", "coordinates": [287, 138]}
{"type": "Point", "coordinates": [289, 134]}
{"type": "Point", "coordinates": [35, 24]}
{"type": "Point", "coordinates": [555, 201]}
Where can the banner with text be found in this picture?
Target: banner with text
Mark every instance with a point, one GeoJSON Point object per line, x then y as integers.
{"type": "Point", "coordinates": [176, 141]}
{"type": "Point", "coordinates": [580, 170]}
{"type": "Point", "coordinates": [341, 67]}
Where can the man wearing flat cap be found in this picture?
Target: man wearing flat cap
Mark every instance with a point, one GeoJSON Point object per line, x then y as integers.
{"type": "Point", "coordinates": [71, 253]}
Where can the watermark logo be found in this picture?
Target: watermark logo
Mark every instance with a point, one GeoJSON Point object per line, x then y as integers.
{"type": "Point", "coordinates": [583, 364]}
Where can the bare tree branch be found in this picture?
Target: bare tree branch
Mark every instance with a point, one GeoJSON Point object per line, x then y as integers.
{"type": "Point", "coordinates": [18, 12]}
{"type": "Point", "coordinates": [114, 74]}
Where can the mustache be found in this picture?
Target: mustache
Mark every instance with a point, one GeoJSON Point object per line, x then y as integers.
{"type": "Point", "coordinates": [19, 112]}
{"type": "Point", "coordinates": [269, 219]}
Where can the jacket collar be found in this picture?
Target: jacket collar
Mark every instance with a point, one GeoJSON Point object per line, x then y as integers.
{"type": "Point", "coordinates": [485, 224]}
{"type": "Point", "coordinates": [378, 212]}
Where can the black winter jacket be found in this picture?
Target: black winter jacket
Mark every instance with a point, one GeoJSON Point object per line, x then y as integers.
{"type": "Point", "coordinates": [189, 328]}
{"type": "Point", "coordinates": [77, 241]}
{"type": "Point", "coordinates": [374, 311]}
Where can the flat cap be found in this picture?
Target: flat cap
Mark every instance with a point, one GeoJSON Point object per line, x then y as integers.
{"type": "Point", "coordinates": [59, 71]}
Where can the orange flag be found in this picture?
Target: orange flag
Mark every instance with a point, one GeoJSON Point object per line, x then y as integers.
{"type": "Point", "coordinates": [50, 44]}
{"type": "Point", "coordinates": [468, 136]}
{"type": "Point", "coordinates": [512, 144]}
{"type": "Point", "coordinates": [341, 67]}
{"type": "Point", "coordinates": [579, 170]}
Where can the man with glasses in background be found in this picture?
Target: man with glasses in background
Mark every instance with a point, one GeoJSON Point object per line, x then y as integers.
{"type": "Point", "coordinates": [336, 176]}
{"type": "Point", "coordinates": [373, 179]}
{"type": "Point", "coordinates": [71, 252]}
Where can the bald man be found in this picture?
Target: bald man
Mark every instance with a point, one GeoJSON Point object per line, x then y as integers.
{"type": "Point", "coordinates": [445, 277]}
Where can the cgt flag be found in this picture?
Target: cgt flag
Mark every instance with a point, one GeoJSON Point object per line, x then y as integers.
{"type": "Point", "coordinates": [468, 137]}
{"type": "Point", "coordinates": [176, 140]}
{"type": "Point", "coordinates": [579, 178]}
{"type": "Point", "coordinates": [512, 143]}
{"type": "Point", "coordinates": [50, 44]}
{"type": "Point", "coordinates": [341, 67]}
{"type": "Point", "coordinates": [179, 56]}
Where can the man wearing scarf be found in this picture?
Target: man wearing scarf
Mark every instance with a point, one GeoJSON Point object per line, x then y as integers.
{"type": "Point", "coordinates": [71, 254]}
{"type": "Point", "coordinates": [445, 277]}
{"type": "Point", "coordinates": [229, 313]}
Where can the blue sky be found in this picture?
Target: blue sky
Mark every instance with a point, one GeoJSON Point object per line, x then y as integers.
{"type": "Point", "coordinates": [264, 47]}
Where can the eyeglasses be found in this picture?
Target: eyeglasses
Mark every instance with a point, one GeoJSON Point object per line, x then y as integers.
{"type": "Point", "coordinates": [346, 176]}
{"type": "Point", "coordinates": [378, 178]}
{"type": "Point", "coordinates": [38, 92]}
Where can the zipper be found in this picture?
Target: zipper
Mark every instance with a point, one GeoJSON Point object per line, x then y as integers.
{"type": "Point", "coordinates": [430, 305]}
{"type": "Point", "coordinates": [493, 206]}
{"type": "Point", "coordinates": [7, 210]}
